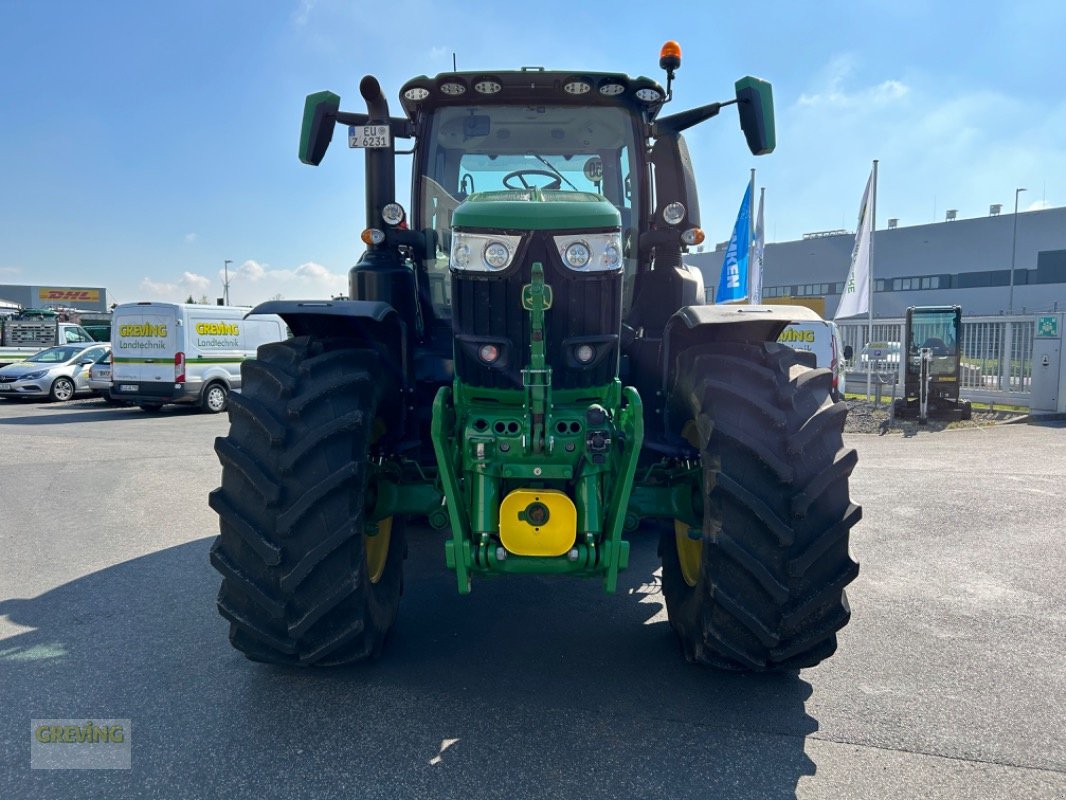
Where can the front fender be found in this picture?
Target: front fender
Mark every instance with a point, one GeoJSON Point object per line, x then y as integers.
{"type": "Point", "coordinates": [371, 323]}
{"type": "Point", "coordinates": [694, 325]}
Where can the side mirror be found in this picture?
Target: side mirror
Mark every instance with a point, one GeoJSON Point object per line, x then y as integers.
{"type": "Point", "coordinates": [755, 102]}
{"type": "Point", "coordinates": [849, 351]}
{"type": "Point", "coordinates": [84, 362]}
{"type": "Point", "coordinates": [320, 113]}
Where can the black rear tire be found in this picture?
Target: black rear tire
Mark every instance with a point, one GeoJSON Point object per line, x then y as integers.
{"type": "Point", "coordinates": [765, 589]}
{"type": "Point", "coordinates": [297, 587]}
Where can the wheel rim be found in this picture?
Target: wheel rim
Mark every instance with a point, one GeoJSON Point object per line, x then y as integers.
{"type": "Point", "coordinates": [63, 390]}
{"type": "Point", "coordinates": [377, 549]}
{"type": "Point", "coordinates": [216, 398]}
{"type": "Point", "coordinates": [689, 553]}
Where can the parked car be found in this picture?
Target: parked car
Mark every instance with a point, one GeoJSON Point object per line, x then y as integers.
{"type": "Point", "coordinates": [58, 373]}
{"type": "Point", "coordinates": [880, 357]}
{"type": "Point", "coordinates": [100, 378]}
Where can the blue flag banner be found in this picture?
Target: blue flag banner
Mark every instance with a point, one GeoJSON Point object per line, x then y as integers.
{"type": "Point", "coordinates": [733, 285]}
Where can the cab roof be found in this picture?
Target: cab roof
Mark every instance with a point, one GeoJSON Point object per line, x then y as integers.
{"type": "Point", "coordinates": [532, 85]}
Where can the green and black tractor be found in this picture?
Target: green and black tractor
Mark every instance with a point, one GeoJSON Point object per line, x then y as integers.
{"type": "Point", "coordinates": [526, 366]}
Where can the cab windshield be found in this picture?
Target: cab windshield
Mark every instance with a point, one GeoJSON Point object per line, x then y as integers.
{"type": "Point", "coordinates": [937, 332]}
{"type": "Point", "coordinates": [468, 149]}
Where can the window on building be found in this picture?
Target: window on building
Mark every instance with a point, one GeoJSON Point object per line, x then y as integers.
{"type": "Point", "coordinates": [879, 285]}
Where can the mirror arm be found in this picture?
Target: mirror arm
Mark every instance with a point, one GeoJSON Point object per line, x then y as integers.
{"type": "Point", "coordinates": [675, 123]}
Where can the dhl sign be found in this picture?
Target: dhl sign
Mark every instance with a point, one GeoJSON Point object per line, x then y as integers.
{"type": "Point", "coordinates": [47, 295]}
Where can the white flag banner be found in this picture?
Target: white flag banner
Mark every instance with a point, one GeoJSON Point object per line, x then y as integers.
{"type": "Point", "coordinates": [756, 267]}
{"type": "Point", "coordinates": [855, 299]}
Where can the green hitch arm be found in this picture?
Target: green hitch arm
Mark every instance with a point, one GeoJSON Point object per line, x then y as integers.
{"type": "Point", "coordinates": [460, 548]}
{"type": "Point", "coordinates": [631, 423]}
{"type": "Point", "coordinates": [536, 299]}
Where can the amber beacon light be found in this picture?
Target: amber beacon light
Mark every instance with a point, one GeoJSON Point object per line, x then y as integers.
{"type": "Point", "coordinates": [670, 57]}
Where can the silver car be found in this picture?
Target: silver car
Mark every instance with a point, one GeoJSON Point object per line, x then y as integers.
{"type": "Point", "coordinates": [58, 373]}
{"type": "Point", "coordinates": [100, 377]}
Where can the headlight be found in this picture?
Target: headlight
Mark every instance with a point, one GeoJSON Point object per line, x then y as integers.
{"type": "Point", "coordinates": [673, 213]}
{"type": "Point", "coordinates": [32, 376]}
{"type": "Point", "coordinates": [497, 255]}
{"type": "Point", "coordinates": [392, 214]}
{"type": "Point", "coordinates": [591, 252]}
{"type": "Point", "coordinates": [577, 255]}
{"type": "Point", "coordinates": [478, 252]}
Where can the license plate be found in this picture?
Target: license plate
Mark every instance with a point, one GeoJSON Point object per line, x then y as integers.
{"type": "Point", "coordinates": [127, 387]}
{"type": "Point", "coordinates": [372, 136]}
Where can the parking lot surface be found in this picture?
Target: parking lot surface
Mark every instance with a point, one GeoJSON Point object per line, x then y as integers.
{"type": "Point", "coordinates": [949, 681]}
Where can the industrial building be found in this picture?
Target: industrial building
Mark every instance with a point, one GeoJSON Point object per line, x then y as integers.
{"type": "Point", "coordinates": [83, 298]}
{"type": "Point", "coordinates": [959, 261]}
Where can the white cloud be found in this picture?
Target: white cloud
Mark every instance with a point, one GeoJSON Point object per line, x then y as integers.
{"type": "Point", "coordinates": [10, 270]}
{"type": "Point", "coordinates": [248, 271]}
{"type": "Point", "coordinates": [879, 95]}
{"type": "Point", "coordinates": [314, 272]}
{"type": "Point", "coordinates": [303, 12]}
{"type": "Point", "coordinates": [253, 282]}
{"type": "Point", "coordinates": [832, 92]}
{"type": "Point", "coordinates": [193, 281]}
{"type": "Point", "coordinates": [250, 283]}
{"type": "Point", "coordinates": [189, 283]}
{"type": "Point", "coordinates": [1039, 205]}
{"type": "Point", "coordinates": [190, 238]}
{"type": "Point", "coordinates": [437, 52]}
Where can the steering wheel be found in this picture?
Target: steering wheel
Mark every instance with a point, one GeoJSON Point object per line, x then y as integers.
{"type": "Point", "coordinates": [521, 174]}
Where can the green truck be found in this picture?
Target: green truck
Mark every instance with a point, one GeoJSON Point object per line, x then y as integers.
{"type": "Point", "coordinates": [525, 365]}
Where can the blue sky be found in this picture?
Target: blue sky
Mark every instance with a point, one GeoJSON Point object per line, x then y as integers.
{"type": "Point", "coordinates": [144, 142]}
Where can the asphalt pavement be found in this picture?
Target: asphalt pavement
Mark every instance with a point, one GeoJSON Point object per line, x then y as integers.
{"type": "Point", "coordinates": [949, 681]}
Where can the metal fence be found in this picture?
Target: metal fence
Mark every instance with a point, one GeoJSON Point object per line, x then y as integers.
{"type": "Point", "coordinates": [988, 375]}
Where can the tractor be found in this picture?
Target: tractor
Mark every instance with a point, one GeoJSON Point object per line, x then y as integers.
{"type": "Point", "coordinates": [526, 366]}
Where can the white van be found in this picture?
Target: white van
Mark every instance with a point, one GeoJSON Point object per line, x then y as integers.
{"type": "Point", "coordinates": [822, 338]}
{"type": "Point", "coordinates": [177, 353]}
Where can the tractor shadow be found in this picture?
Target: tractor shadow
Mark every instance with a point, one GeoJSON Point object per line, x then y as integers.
{"type": "Point", "coordinates": [525, 687]}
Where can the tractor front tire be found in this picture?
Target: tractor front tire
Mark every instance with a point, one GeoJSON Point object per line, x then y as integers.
{"type": "Point", "coordinates": [761, 586]}
{"type": "Point", "coordinates": [305, 580]}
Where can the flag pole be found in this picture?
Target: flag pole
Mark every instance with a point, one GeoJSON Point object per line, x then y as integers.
{"type": "Point", "coordinates": [762, 241]}
{"type": "Point", "coordinates": [751, 239]}
{"type": "Point", "coordinates": [870, 285]}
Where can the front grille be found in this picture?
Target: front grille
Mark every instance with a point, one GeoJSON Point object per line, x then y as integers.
{"type": "Point", "coordinates": [585, 307]}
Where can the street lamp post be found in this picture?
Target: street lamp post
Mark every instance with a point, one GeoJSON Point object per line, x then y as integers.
{"type": "Point", "coordinates": [1013, 252]}
{"type": "Point", "coordinates": [225, 282]}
